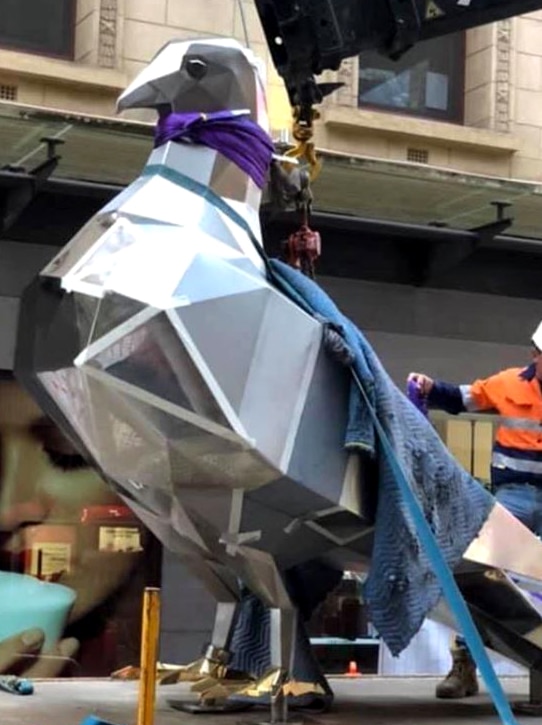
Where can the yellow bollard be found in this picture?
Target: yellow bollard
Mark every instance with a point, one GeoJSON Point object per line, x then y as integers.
{"type": "Point", "coordinates": [149, 655]}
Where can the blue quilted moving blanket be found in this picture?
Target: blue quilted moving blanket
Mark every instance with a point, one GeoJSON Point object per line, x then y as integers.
{"type": "Point", "coordinates": [401, 588]}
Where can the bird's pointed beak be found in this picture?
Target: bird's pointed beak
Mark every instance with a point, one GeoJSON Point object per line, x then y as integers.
{"type": "Point", "coordinates": [137, 95]}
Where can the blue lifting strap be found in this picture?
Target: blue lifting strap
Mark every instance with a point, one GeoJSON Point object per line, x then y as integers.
{"type": "Point", "coordinates": [442, 570]}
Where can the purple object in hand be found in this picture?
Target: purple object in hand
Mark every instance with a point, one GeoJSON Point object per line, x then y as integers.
{"type": "Point", "coordinates": [416, 397]}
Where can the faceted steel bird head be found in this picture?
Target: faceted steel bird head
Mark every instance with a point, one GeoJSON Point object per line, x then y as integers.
{"type": "Point", "coordinates": [200, 76]}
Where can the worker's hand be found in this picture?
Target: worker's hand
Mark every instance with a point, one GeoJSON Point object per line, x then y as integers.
{"type": "Point", "coordinates": [424, 382]}
{"type": "Point", "coordinates": [22, 655]}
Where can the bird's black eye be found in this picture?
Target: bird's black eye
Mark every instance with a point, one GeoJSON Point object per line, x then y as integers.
{"type": "Point", "coordinates": [196, 68]}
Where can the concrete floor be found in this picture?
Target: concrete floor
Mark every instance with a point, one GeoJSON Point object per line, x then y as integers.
{"type": "Point", "coordinates": [367, 700]}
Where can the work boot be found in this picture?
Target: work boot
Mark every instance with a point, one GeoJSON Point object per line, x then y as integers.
{"type": "Point", "coordinates": [461, 680]}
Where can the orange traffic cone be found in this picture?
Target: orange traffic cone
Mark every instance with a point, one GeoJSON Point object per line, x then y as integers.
{"type": "Point", "coordinates": [352, 669]}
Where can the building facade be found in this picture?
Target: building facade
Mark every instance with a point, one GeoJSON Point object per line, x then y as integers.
{"type": "Point", "coordinates": [469, 102]}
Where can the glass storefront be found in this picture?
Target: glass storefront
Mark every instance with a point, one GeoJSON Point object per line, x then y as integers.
{"type": "Point", "coordinates": [73, 559]}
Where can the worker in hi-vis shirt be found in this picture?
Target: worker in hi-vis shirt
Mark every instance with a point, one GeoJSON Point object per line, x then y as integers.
{"type": "Point", "coordinates": [515, 395]}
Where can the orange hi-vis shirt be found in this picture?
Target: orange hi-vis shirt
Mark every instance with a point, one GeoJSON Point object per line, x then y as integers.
{"type": "Point", "coordinates": [516, 396]}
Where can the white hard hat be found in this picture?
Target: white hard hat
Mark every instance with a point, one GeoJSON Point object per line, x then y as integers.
{"type": "Point", "coordinates": [537, 337]}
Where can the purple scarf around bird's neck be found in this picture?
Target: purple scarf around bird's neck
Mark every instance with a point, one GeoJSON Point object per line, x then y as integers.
{"type": "Point", "coordinates": [230, 133]}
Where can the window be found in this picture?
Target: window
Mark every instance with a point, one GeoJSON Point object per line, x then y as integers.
{"type": "Point", "coordinates": [38, 26]}
{"type": "Point", "coordinates": [428, 80]}
{"type": "Point", "coordinates": [8, 92]}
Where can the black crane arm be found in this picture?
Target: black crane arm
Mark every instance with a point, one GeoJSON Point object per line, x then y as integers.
{"type": "Point", "coordinates": [306, 37]}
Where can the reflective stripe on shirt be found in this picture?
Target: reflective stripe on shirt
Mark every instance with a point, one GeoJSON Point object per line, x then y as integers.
{"type": "Point", "coordinates": [519, 423]}
{"type": "Point", "coordinates": [522, 465]}
{"type": "Point", "coordinates": [466, 397]}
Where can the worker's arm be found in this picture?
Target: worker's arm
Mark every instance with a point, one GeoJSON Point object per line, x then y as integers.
{"type": "Point", "coordinates": [447, 397]}
{"type": "Point", "coordinates": [455, 399]}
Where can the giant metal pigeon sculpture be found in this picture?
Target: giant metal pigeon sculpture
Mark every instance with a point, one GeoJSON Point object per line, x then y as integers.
{"type": "Point", "coordinates": [193, 385]}
{"type": "Point", "coordinates": [200, 391]}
